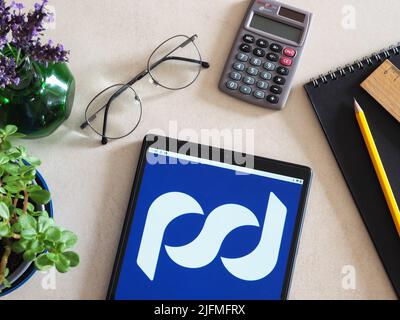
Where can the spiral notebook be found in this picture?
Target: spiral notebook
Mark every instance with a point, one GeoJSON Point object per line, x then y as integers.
{"type": "Point", "coordinates": [332, 98]}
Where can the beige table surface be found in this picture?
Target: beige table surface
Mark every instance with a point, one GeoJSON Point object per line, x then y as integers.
{"type": "Point", "coordinates": [111, 40]}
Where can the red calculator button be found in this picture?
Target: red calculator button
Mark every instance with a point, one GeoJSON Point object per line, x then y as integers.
{"type": "Point", "coordinates": [289, 52]}
{"type": "Point", "coordinates": [286, 62]}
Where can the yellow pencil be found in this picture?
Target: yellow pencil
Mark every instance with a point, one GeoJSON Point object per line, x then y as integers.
{"type": "Point", "coordinates": [378, 165]}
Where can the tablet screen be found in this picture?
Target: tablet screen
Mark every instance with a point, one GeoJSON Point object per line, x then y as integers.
{"type": "Point", "coordinates": [203, 229]}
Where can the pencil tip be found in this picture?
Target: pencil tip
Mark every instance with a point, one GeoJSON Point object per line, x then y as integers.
{"type": "Point", "coordinates": [357, 107]}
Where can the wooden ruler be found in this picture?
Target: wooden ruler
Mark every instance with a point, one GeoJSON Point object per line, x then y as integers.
{"type": "Point", "coordinates": [384, 85]}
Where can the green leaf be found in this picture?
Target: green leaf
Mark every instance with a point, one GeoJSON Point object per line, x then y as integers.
{"type": "Point", "coordinates": [10, 130]}
{"type": "Point", "coordinates": [33, 187]}
{"type": "Point", "coordinates": [29, 255]}
{"type": "Point", "coordinates": [50, 245]}
{"type": "Point", "coordinates": [44, 223]}
{"type": "Point", "coordinates": [27, 222]}
{"type": "Point", "coordinates": [40, 196]}
{"type": "Point", "coordinates": [5, 145]}
{"type": "Point", "coordinates": [69, 239]}
{"type": "Point", "coordinates": [20, 246]}
{"type": "Point", "coordinates": [9, 179]}
{"type": "Point", "coordinates": [6, 283]}
{"type": "Point", "coordinates": [52, 256]}
{"type": "Point", "coordinates": [29, 234]}
{"type": "Point", "coordinates": [43, 262]}
{"type": "Point", "coordinates": [5, 231]}
{"type": "Point", "coordinates": [60, 247]}
{"type": "Point", "coordinates": [4, 212]}
{"type": "Point", "coordinates": [16, 228]}
{"type": "Point", "coordinates": [4, 159]}
{"type": "Point", "coordinates": [53, 234]}
{"type": "Point", "coordinates": [62, 264]}
{"type": "Point", "coordinates": [72, 257]}
{"type": "Point", "coordinates": [11, 168]}
{"type": "Point", "coordinates": [30, 207]}
{"type": "Point", "coordinates": [33, 161]}
{"type": "Point", "coordinates": [36, 246]}
{"type": "Point", "coordinates": [12, 188]}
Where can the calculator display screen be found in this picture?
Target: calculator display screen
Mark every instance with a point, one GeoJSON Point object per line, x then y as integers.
{"type": "Point", "coordinates": [294, 15]}
{"type": "Point", "coordinates": [276, 28]}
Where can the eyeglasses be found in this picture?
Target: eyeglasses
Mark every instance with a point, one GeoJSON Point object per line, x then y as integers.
{"type": "Point", "coordinates": [116, 111]}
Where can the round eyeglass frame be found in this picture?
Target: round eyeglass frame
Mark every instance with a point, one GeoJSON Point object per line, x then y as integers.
{"type": "Point", "coordinates": [105, 138]}
{"type": "Point", "coordinates": [154, 52]}
{"type": "Point", "coordinates": [137, 98]}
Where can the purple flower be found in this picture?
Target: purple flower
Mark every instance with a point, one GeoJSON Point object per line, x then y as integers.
{"type": "Point", "coordinates": [49, 52]}
{"type": "Point", "coordinates": [4, 23]}
{"type": "Point", "coordinates": [26, 28]}
{"type": "Point", "coordinates": [23, 33]}
{"type": "Point", "coordinates": [7, 72]}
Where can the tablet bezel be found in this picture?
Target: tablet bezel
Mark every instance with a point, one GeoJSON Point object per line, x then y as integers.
{"type": "Point", "coordinates": [263, 164]}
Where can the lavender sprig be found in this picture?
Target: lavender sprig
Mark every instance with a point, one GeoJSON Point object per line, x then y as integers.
{"type": "Point", "coordinates": [22, 34]}
{"type": "Point", "coordinates": [5, 18]}
{"type": "Point", "coordinates": [8, 74]}
{"type": "Point", "coordinates": [49, 52]}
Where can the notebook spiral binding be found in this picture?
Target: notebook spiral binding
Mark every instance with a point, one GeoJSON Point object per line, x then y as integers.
{"type": "Point", "coordinates": [356, 65]}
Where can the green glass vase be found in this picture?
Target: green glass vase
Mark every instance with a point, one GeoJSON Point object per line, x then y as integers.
{"type": "Point", "coordinates": [41, 101]}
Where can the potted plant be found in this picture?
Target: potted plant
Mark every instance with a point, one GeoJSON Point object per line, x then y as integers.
{"type": "Point", "coordinates": [36, 86]}
{"type": "Point", "coordinates": [28, 234]}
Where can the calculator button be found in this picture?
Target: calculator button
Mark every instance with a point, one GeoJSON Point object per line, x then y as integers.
{"type": "Point", "coordinates": [275, 47]}
{"type": "Point", "coordinates": [262, 85]}
{"type": "Point", "coordinates": [249, 80]}
{"type": "Point", "coordinates": [269, 66]}
{"type": "Point", "coordinates": [232, 85]}
{"type": "Point", "coordinates": [262, 43]}
{"type": "Point", "coordinates": [245, 90]}
{"type": "Point", "coordinates": [252, 71]}
{"type": "Point", "coordinates": [279, 80]}
{"type": "Point", "coordinates": [282, 71]}
{"type": "Point", "coordinates": [276, 89]}
{"type": "Point", "coordinates": [272, 57]}
{"type": "Point", "coordinates": [289, 52]}
{"type": "Point", "coordinates": [272, 99]}
{"type": "Point", "coordinates": [248, 38]}
{"type": "Point", "coordinates": [259, 52]}
{"type": "Point", "coordinates": [235, 76]}
{"type": "Point", "coordinates": [266, 75]}
{"type": "Point", "coordinates": [242, 57]}
{"type": "Point", "coordinates": [256, 62]}
{"type": "Point", "coordinates": [238, 66]}
{"type": "Point", "coordinates": [259, 94]}
{"type": "Point", "coordinates": [286, 62]}
{"type": "Point", "coordinates": [245, 48]}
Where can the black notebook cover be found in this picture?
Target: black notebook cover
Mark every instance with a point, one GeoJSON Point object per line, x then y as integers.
{"type": "Point", "coordinates": [332, 99]}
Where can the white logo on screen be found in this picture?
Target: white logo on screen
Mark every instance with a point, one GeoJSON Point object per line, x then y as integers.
{"type": "Point", "coordinates": [205, 247]}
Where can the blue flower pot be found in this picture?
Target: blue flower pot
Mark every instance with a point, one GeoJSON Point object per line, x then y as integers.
{"type": "Point", "coordinates": [27, 270]}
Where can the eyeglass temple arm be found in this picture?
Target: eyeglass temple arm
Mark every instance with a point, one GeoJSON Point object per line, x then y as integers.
{"type": "Point", "coordinates": [139, 77]}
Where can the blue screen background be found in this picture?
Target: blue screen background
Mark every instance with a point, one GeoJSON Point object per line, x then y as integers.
{"type": "Point", "coordinates": [212, 187]}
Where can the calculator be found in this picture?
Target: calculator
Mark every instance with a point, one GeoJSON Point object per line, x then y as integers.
{"type": "Point", "coordinates": [266, 53]}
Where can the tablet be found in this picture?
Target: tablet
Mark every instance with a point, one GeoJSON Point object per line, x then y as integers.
{"type": "Point", "coordinates": [209, 224]}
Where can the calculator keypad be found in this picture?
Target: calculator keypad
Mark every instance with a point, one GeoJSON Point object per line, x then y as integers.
{"type": "Point", "coordinates": [256, 62]}
{"type": "Point", "coordinates": [248, 38]}
{"type": "Point", "coordinates": [245, 48]}
{"type": "Point", "coordinates": [249, 80]}
{"type": "Point", "coordinates": [245, 90]}
{"type": "Point", "coordinates": [262, 43]}
{"type": "Point", "coordinates": [242, 57]}
{"type": "Point", "coordinates": [259, 52]}
{"type": "Point", "coordinates": [260, 69]}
